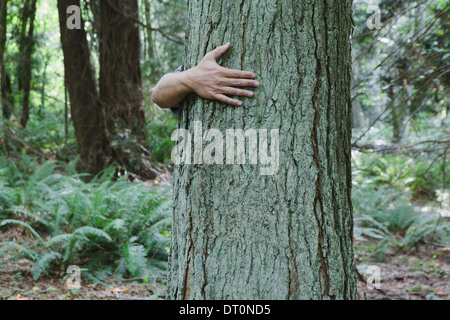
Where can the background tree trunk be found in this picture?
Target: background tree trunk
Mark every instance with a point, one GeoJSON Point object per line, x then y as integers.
{"type": "Point", "coordinates": [149, 32]}
{"type": "Point", "coordinates": [84, 104]}
{"type": "Point", "coordinates": [237, 234]}
{"type": "Point", "coordinates": [110, 125]}
{"type": "Point", "coordinates": [27, 45]}
{"type": "Point", "coordinates": [6, 107]}
{"type": "Point", "coordinates": [121, 87]}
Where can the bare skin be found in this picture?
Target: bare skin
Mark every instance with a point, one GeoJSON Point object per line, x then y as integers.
{"type": "Point", "coordinates": [208, 79]}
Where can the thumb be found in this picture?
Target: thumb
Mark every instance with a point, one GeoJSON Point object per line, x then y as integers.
{"type": "Point", "coordinates": [219, 51]}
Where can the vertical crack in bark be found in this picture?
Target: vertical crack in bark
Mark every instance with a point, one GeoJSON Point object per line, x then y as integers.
{"type": "Point", "coordinates": [187, 277]}
{"type": "Point", "coordinates": [244, 48]}
{"type": "Point", "coordinates": [293, 277]}
{"type": "Point", "coordinates": [244, 51]}
{"type": "Point", "coordinates": [210, 30]}
{"type": "Point", "coordinates": [315, 145]}
{"type": "Point", "coordinates": [349, 284]}
{"type": "Point", "coordinates": [206, 232]}
{"type": "Point", "coordinates": [205, 274]}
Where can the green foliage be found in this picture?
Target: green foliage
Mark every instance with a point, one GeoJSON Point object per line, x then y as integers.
{"type": "Point", "coordinates": [135, 257]}
{"type": "Point", "coordinates": [387, 216]}
{"type": "Point", "coordinates": [110, 227]}
{"type": "Point", "coordinates": [419, 172]}
{"type": "Point", "coordinates": [43, 262]}
{"type": "Point", "coordinates": [401, 69]}
{"type": "Point", "coordinates": [160, 133]}
{"type": "Point", "coordinates": [26, 226]}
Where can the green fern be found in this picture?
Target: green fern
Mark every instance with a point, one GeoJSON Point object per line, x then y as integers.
{"type": "Point", "coordinates": [103, 222]}
{"type": "Point", "coordinates": [26, 226]}
{"type": "Point", "coordinates": [59, 239]}
{"type": "Point", "coordinates": [135, 258]}
{"type": "Point", "coordinates": [17, 251]}
{"type": "Point", "coordinates": [42, 263]}
{"type": "Point", "coordinates": [91, 231]}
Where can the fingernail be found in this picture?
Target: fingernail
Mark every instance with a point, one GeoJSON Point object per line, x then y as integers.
{"type": "Point", "coordinates": [250, 94]}
{"type": "Point", "coordinates": [257, 84]}
{"type": "Point", "coordinates": [253, 75]}
{"type": "Point", "coordinates": [239, 103]}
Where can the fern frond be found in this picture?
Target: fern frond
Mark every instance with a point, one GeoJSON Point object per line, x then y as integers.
{"type": "Point", "coordinates": [26, 226]}
{"type": "Point", "coordinates": [59, 238]}
{"type": "Point", "coordinates": [135, 258]}
{"type": "Point", "coordinates": [41, 264]}
{"type": "Point", "coordinates": [91, 231]}
{"type": "Point", "coordinates": [12, 248]}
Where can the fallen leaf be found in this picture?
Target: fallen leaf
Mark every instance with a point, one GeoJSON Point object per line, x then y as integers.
{"type": "Point", "coordinates": [120, 290]}
{"type": "Point", "coordinates": [439, 291]}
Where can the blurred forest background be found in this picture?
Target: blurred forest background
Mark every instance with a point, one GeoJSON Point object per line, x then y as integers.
{"type": "Point", "coordinates": [110, 213]}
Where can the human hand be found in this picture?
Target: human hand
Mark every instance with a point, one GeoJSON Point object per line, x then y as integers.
{"type": "Point", "coordinates": [211, 81]}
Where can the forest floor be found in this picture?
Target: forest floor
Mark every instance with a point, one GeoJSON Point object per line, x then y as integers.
{"type": "Point", "coordinates": [403, 277]}
{"type": "Point", "coordinates": [422, 276]}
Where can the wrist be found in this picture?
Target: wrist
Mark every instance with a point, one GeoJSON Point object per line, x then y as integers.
{"type": "Point", "coordinates": [188, 80]}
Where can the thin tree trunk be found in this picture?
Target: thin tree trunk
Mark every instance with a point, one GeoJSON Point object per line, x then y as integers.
{"type": "Point", "coordinates": [66, 110]}
{"type": "Point", "coordinates": [238, 234]}
{"type": "Point", "coordinates": [396, 115]}
{"type": "Point", "coordinates": [84, 104]}
{"type": "Point", "coordinates": [147, 12]}
{"type": "Point", "coordinates": [4, 94]}
{"type": "Point", "coordinates": [44, 80]}
{"type": "Point", "coordinates": [27, 53]}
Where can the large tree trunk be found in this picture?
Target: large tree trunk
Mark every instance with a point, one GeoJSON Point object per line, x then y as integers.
{"type": "Point", "coordinates": [84, 104]}
{"type": "Point", "coordinates": [236, 233]}
{"type": "Point", "coordinates": [120, 85]}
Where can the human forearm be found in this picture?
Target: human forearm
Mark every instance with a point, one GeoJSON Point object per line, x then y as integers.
{"type": "Point", "coordinates": [171, 90]}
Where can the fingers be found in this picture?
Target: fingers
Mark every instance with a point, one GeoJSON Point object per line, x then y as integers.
{"type": "Point", "coordinates": [219, 51]}
{"type": "Point", "coordinates": [231, 73]}
{"type": "Point", "coordinates": [239, 83]}
{"type": "Point", "coordinates": [228, 100]}
{"type": "Point", "coordinates": [224, 80]}
{"type": "Point", "coordinates": [233, 92]}
{"type": "Point", "coordinates": [237, 92]}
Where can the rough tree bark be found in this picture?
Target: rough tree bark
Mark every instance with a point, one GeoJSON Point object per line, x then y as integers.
{"type": "Point", "coordinates": [84, 104]}
{"type": "Point", "coordinates": [240, 235]}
